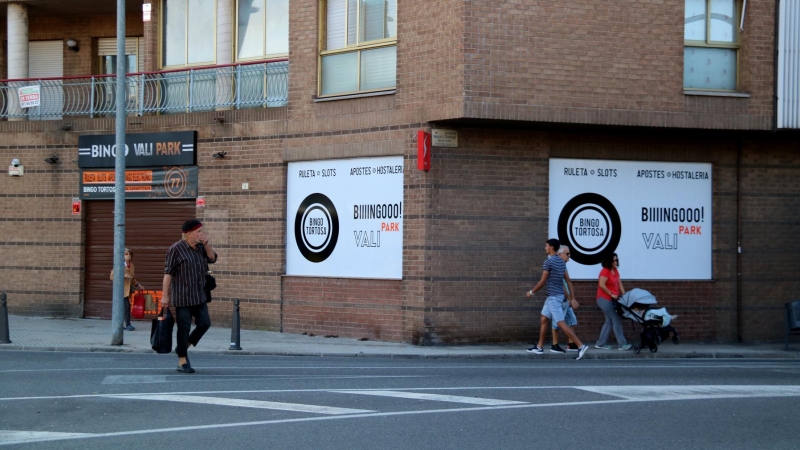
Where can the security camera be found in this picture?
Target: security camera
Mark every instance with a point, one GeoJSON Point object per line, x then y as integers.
{"type": "Point", "coordinates": [15, 162]}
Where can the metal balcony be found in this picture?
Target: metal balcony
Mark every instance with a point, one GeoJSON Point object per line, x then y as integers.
{"type": "Point", "coordinates": [238, 86]}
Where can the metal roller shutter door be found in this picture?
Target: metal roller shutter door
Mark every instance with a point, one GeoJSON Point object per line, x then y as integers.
{"type": "Point", "coordinates": [151, 227]}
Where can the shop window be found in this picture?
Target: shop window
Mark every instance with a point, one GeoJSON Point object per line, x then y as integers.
{"type": "Point", "coordinates": [359, 40]}
{"type": "Point", "coordinates": [711, 45]}
{"type": "Point", "coordinates": [188, 32]}
{"type": "Point", "coordinates": [262, 29]}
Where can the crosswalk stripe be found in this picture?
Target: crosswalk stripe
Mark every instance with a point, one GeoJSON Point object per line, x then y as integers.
{"type": "Point", "coordinates": [437, 397]}
{"type": "Point", "coordinates": [9, 437]}
{"type": "Point", "coordinates": [296, 407]}
{"type": "Point", "coordinates": [655, 393]}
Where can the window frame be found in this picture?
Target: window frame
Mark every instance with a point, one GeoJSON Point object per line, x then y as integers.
{"type": "Point", "coordinates": [236, 39]}
{"type": "Point", "coordinates": [161, 43]}
{"type": "Point", "coordinates": [708, 43]}
{"type": "Point", "coordinates": [351, 48]}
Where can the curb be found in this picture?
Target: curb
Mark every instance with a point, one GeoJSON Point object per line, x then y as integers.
{"type": "Point", "coordinates": [515, 355]}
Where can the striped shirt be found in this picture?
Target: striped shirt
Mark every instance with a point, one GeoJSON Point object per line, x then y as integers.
{"type": "Point", "coordinates": [557, 267]}
{"type": "Point", "coordinates": [188, 267]}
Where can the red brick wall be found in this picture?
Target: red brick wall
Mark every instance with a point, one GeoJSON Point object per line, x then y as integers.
{"type": "Point", "coordinates": [371, 309]}
{"type": "Point", "coordinates": [621, 63]}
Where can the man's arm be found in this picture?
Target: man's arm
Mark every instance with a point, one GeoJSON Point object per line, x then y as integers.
{"type": "Point", "coordinates": [572, 301]}
{"type": "Point", "coordinates": [541, 283]}
{"type": "Point", "coordinates": [165, 289]}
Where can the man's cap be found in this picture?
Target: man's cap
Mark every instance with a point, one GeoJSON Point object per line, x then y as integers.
{"type": "Point", "coordinates": [191, 225]}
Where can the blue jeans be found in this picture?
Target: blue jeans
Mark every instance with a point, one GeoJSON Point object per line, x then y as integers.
{"type": "Point", "coordinates": [184, 320]}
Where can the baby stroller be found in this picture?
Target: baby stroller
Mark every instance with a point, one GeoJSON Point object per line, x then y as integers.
{"type": "Point", "coordinates": [640, 306]}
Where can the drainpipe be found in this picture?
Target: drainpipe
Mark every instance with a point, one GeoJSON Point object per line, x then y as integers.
{"type": "Point", "coordinates": [17, 25]}
{"type": "Point", "coordinates": [775, 66]}
{"type": "Point", "coordinates": [738, 241]}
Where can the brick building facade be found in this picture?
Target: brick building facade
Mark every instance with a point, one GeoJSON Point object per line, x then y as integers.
{"type": "Point", "coordinates": [521, 82]}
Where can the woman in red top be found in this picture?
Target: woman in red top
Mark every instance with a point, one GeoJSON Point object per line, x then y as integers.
{"type": "Point", "coordinates": [609, 288]}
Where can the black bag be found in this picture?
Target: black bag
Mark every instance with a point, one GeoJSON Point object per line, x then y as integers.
{"type": "Point", "coordinates": [210, 285]}
{"type": "Point", "coordinates": [161, 332]}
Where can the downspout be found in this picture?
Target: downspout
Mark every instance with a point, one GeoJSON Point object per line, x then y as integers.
{"type": "Point", "coordinates": [738, 242]}
{"type": "Point", "coordinates": [775, 67]}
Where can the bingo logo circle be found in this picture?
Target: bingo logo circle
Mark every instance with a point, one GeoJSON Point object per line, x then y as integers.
{"type": "Point", "coordinates": [590, 225]}
{"type": "Point", "coordinates": [316, 227]}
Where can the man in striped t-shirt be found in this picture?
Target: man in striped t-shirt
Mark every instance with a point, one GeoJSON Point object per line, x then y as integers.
{"type": "Point", "coordinates": [554, 272]}
{"type": "Point", "coordinates": [185, 270]}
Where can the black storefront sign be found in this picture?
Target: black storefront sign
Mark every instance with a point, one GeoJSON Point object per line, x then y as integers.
{"type": "Point", "coordinates": [144, 183]}
{"type": "Point", "coordinates": [142, 150]}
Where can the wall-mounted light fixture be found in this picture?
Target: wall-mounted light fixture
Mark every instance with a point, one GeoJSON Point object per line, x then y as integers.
{"type": "Point", "coordinates": [219, 154]}
{"type": "Point", "coordinates": [72, 44]}
{"type": "Point", "coordinates": [52, 160]}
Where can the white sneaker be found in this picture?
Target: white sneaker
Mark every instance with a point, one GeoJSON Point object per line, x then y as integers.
{"type": "Point", "coordinates": [625, 347]}
{"type": "Point", "coordinates": [582, 351]}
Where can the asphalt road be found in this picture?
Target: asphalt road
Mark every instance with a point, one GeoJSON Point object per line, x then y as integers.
{"type": "Point", "coordinates": [101, 400]}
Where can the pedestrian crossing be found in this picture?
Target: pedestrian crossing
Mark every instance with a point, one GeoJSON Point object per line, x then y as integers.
{"type": "Point", "coordinates": [397, 403]}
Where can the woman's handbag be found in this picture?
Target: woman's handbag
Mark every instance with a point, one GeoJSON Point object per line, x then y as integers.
{"type": "Point", "coordinates": [137, 305]}
{"type": "Point", "coordinates": [161, 332]}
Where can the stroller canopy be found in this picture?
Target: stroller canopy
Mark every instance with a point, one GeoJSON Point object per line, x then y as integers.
{"type": "Point", "coordinates": [639, 296]}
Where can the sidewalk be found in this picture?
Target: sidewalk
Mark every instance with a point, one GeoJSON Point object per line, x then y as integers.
{"type": "Point", "coordinates": [91, 335]}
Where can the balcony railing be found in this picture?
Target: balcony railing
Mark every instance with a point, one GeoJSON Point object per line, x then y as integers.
{"type": "Point", "coordinates": [249, 85]}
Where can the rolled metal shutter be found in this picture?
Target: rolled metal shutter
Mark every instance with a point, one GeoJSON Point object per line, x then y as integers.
{"type": "Point", "coordinates": [151, 227]}
{"type": "Point", "coordinates": [46, 60]}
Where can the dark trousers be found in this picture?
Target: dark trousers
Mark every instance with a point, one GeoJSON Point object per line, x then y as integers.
{"type": "Point", "coordinates": [127, 304]}
{"type": "Point", "coordinates": [183, 317]}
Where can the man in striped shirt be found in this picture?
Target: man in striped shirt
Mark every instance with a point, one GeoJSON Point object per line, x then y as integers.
{"type": "Point", "coordinates": [185, 270]}
{"type": "Point", "coordinates": [553, 275]}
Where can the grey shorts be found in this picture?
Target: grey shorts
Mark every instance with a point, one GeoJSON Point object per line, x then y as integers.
{"type": "Point", "coordinates": [552, 308]}
{"type": "Point", "coordinates": [569, 316]}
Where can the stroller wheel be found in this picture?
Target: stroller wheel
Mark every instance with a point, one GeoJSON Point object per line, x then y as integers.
{"type": "Point", "coordinates": [653, 349]}
{"type": "Point", "coordinates": [636, 348]}
{"type": "Point", "coordinates": [676, 340]}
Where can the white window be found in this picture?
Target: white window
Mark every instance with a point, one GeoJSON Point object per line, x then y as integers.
{"type": "Point", "coordinates": [188, 32]}
{"type": "Point", "coordinates": [711, 44]}
{"type": "Point", "coordinates": [262, 29]}
{"type": "Point", "coordinates": [360, 47]}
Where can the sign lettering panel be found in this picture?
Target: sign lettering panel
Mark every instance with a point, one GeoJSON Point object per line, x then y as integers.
{"type": "Point", "coordinates": [345, 218]}
{"type": "Point", "coordinates": [655, 215]}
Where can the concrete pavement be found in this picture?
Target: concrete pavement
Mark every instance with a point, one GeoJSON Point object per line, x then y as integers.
{"type": "Point", "coordinates": [93, 335]}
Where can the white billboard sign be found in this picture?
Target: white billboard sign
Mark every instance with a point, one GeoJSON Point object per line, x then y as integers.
{"type": "Point", "coordinates": [345, 218]}
{"type": "Point", "coordinates": [655, 215]}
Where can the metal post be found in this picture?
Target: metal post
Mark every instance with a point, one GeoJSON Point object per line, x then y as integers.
{"type": "Point", "coordinates": [235, 334]}
{"type": "Point", "coordinates": [238, 85]}
{"type": "Point", "coordinates": [41, 98]}
{"type": "Point", "coordinates": [4, 337]}
{"type": "Point", "coordinates": [141, 95]}
{"type": "Point", "coordinates": [191, 89]}
{"type": "Point", "coordinates": [91, 99]}
{"type": "Point", "coordinates": [117, 312]}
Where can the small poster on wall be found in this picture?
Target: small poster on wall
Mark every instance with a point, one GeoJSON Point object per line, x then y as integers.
{"type": "Point", "coordinates": [655, 215]}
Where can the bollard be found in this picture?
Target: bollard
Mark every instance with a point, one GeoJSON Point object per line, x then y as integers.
{"type": "Point", "coordinates": [4, 337]}
{"type": "Point", "coordinates": [235, 334]}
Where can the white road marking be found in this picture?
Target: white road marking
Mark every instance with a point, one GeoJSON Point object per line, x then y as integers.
{"type": "Point", "coordinates": [143, 379]}
{"type": "Point", "coordinates": [734, 392]}
{"type": "Point", "coordinates": [660, 393]}
{"type": "Point", "coordinates": [434, 397]}
{"type": "Point", "coordinates": [242, 403]}
{"type": "Point", "coordinates": [131, 379]}
{"type": "Point", "coordinates": [9, 437]}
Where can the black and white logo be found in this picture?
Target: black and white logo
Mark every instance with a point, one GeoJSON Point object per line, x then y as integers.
{"type": "Point", "coordinates": [316, 227]}
{"type": "Point", "coordinates": [590, 225]}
